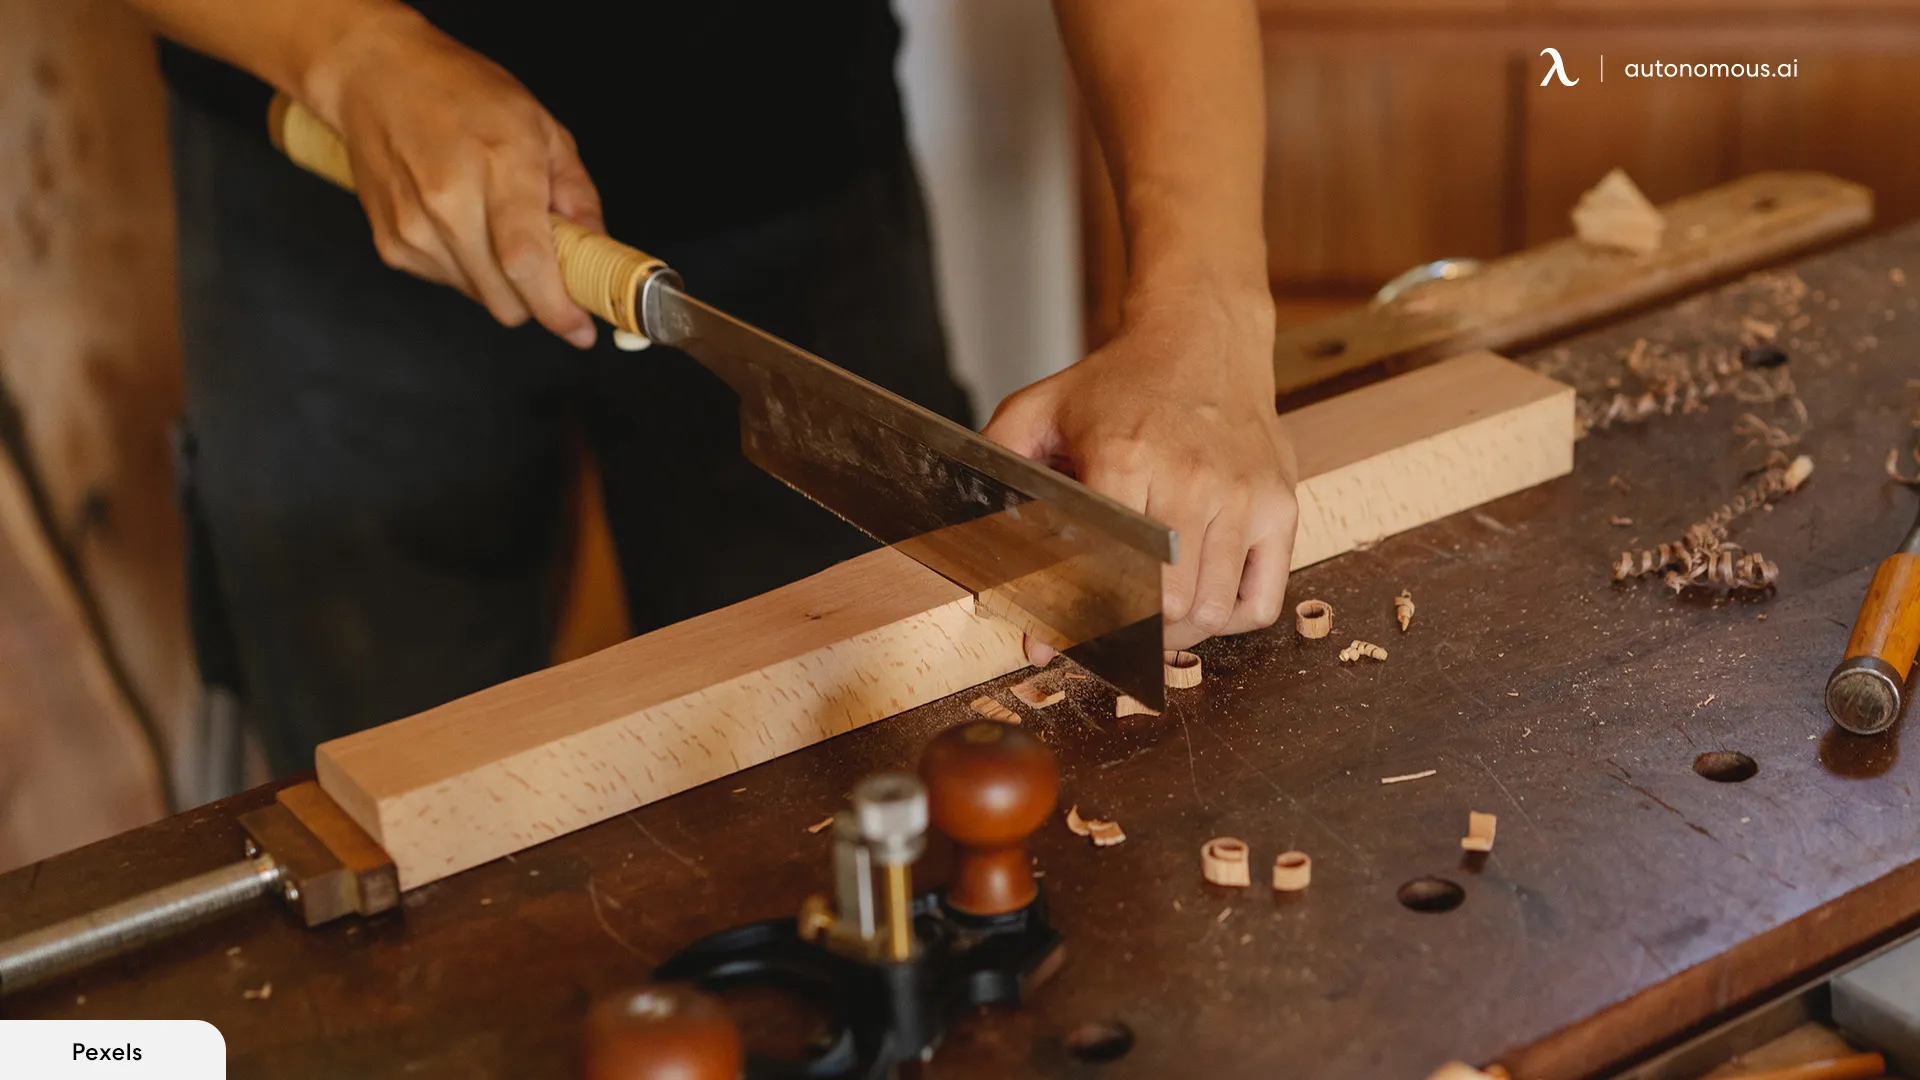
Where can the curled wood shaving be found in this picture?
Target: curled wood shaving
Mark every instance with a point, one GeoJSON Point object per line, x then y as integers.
{"type": "Point", "coordinates": [1034, 693]}
{"type": "Point", "coordinates": [1223, 861]}
{"type": "Point", "coordinates": [1313, 618]}
{"type": "Point", "coordinates": [993, 710]}
{"type": "Point", "coordinates": [1403, 778]}
{"type": "Point", "coordinates": [1403, 609]}
{"type": "Point", "coordinates": [1103, 833]}
{"type": "Point", "coordinates": [823, 823]}
{"type": "Point", "coordinates": [1480, 829]}
{"type": "Point", "coordinates": [1182, 670]}
{"type": "Point", "coordinates": [1893, 467]}
{"type": "Point", "coordinates": [1362, 650]}
{"type": "Point", "coordinates": [1769, 435]}
{"type": "Point", "coordinates": [262, 994]}
{"type": "Point", "coordinates": [1126, 705]}
{"type": "Point", "coordinates": [1703, 556]}
{"type": "Point", "coordinates": [1292, 871]}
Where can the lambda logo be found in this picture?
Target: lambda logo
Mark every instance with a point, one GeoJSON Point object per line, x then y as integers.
{"type": "Point", "coordinates": [1559, 69]}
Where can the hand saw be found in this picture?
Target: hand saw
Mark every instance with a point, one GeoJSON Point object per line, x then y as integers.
{"type": "Point", "coordinates": [1069, 566]}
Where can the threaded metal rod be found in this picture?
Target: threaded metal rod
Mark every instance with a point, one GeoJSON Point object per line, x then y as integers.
{"type": "Point", "coordinates": [116, 929]}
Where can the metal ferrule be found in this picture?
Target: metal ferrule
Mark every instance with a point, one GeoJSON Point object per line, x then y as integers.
{"type": "Point", "coordinates": [1871, 668]}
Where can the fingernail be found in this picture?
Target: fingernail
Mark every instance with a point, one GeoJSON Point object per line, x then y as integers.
{"type": "Point", "coordinates": [582, 338]}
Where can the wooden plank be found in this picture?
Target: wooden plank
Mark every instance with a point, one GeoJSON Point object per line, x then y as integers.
{"type": "Point", "coordinates": [1552, 288]}
{"type": "Point", "coordinates": [548, 753]}
{"type": "Point", "coordinates": [1416, 448]}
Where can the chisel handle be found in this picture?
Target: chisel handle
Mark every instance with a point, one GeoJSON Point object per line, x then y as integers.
{"type": "Point", "coordinates": [1866, 691]}
{"type": "Point", "coordinates": [602, 274]}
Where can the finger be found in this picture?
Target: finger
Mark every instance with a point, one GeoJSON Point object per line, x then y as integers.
{"type": "Point", "coordinates": [571, 190]}
{"type": "Point", "coordinates": [1223, 557]}
{"type": "Point", "coordinates": [1263, 584]}
{"type": "Point", "coordinates": [462, 217]}
{"type": "Point", "coordinates": [1039, 653]}
{"type": "Point", "coordinates": [407, 241]}
{"type": "Point", "coordinates": [523, 243]}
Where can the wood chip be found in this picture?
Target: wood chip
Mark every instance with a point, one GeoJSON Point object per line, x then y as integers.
{"type": "Point", "coordinates": [1103, 833]}
{"type": "Point", "coordinates": [262, 994]}
{"type": "Point", "coordinates": [1130, 706]}
{"type": "Point", "coordinates": [1076, 824]}
{"type": "Point", "coordinates": [1182, 670]}
{"type": "Point", "coordinates": [1479, 831]}
{"type": "Point", "coordinates": [1292, 871]}
{"type": "Point", "coordinates": [823, 823]}
{"type": "Point", "coordinates": [1759, 331]}
{"type": "Point", "coordinates": [1313, 618]}
{"type": "Point", "coordinates": [1614, 214]}
{"type": "Point", "coordinates": [1362, 650]}
{"type": "Point", "coordinates": [1619, 522]}
{"type": "Point", "coordinates": [1422, 775]}
{"type": "Point", "coordinates": [1893, 467]}
{"type": "Point", "coordinates": [1037, 694]}
{"type": "Point", "coordinates": [993, 710]}
{"type": "Point", "coordinates": [1223, 861]}
{"type": "Point", "coordinates": [1403, 609]}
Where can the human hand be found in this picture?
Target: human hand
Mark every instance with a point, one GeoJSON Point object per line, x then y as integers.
{"type": "Point", "coordinates": [1174, 417]}
{"type": "Point", "coordinates": [457, 166]}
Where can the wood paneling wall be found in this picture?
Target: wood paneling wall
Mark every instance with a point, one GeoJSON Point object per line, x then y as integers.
{"type": "Point", "coordinates": [1401, 131]}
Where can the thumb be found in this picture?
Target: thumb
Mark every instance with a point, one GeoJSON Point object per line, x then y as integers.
{"type": "Point", "coordinates": [1026, 423]}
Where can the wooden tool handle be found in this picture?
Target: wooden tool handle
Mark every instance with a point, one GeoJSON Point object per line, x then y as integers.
{"type": "Point", "coordinates": [602, 274]}
{"type": "Point", "coordinates": [990, 786]}
{"type": "Point", "coordinates": [1889, 624]}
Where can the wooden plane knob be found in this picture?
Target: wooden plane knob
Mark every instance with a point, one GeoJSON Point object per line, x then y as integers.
{"type": "Point", "coordinates": [990, 786]}
{"type": "Point", "coordinates": [663, 1032]}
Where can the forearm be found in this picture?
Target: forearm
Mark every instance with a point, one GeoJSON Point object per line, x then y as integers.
{"type": "Point", "coordinates": [289, 44]}
{"type": "Point", "coordinates": [1174, 90]}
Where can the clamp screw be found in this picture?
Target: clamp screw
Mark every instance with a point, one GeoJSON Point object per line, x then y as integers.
{"type": "Point", "coordinates": [291, 891]}
{"type": "Point", "coordinates": [252, 849]}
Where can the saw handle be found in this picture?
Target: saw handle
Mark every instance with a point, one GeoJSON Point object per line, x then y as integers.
{"type": "Point", "coordinates": [602, 274]}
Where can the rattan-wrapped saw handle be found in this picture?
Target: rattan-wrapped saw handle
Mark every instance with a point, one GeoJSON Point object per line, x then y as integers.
{"type": "Point", "coordinates": [602, 274]}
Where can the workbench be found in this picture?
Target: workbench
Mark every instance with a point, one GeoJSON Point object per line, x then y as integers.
{"type": "Point", "coordinates": [1629, 899]}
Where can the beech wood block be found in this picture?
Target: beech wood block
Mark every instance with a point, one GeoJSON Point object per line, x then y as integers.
{"type": "Point", "coordinates": [560, 749]}
{"type": "Point", "coordinates": [990, 786]}
{"type": "Point", "coordinates": [1421, 446]}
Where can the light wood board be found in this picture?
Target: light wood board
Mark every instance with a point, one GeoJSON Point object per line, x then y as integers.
{"type": "Point", "coordinates": [560, 749]}
{"type": "Point", "coordinates": [1561, 285]}
{"type": "Point", "coordinates": [550, 752]}
{"type": "Point", "coordinates": [1420, 446]}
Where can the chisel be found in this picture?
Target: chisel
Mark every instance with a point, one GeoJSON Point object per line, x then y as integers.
{"type": "Point", "coordinates": [1866, 692]}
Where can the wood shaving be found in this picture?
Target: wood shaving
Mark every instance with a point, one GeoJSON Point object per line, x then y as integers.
{"type": "Point", "coordinates": [822, 824]}
{"type": "Point", "coordinates": [1704, 556]}
{"type": "Point", "coordinates": [993, 710]}
{"type": "Point", "coordinates": [1685, 383]}
{"type": "Point", "coordinates": [1893, 468]}
{"type": "Point", "coordinates": [1126, 705]}
{"type": "Point", "coordinates": [1360, 650]}
{"type": "Point", "coordinates": [1480, 828]}
{"type": "Point", "coordinates": [1770, 435]}
{"type": "Point", "coordinates": [1292, 871]}
{"type": "Point", "coordinates": [1102, 833]}
{"type": "Point", "coordinates": [1038, 694]}
{"type": "Point", "coordinates": [1754, 330]}
{"type": "Point", "coordinates": [1421, 775]}
{"type": "Point", "coordinates": [1313, 619]}
{"type": "Point", "coordinates": [1619, 522]}
{"type": "Point", "coordinates": [262, 994]}
{"type": "Point", "coordinates": [1223, 861]}
{"type": "Point", "coordinates": [1614, 214]}
{"type": "Point", "coordinates": [1403, 610]}
{"type": "Point", "coordinates": [1182, 670]}
{"type": "Point", "coordinates": [1616, 482]}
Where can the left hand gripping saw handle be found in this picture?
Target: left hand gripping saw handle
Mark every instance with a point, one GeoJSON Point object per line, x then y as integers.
{"type": "Point", "coordinates": [602, 274]}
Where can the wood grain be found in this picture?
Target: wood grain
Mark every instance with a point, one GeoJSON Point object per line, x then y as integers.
{"type": "Point", "coordinates": [1416, 448]}
{"type": "Point", "coordinates": [1555, 287]}
{"type": "Point", "coordinates": [1888, 626]}
{"type": "Point", "coordinates": [551, 752]}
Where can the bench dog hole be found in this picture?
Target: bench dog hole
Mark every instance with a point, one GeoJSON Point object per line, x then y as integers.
{"type": "Point", "coordinates": [1725, 766]}
{"type": "Point", "coordinates": [1432, 894]}
{"type": "Point", "coordinates": [1100, 1040]}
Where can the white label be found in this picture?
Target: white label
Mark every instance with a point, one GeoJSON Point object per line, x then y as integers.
{"type": "Point", "coordinates": [109, 1049]}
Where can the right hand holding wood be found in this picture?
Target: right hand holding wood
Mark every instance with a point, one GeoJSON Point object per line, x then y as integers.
{"type": "Point", "coordinates": [457, 166]}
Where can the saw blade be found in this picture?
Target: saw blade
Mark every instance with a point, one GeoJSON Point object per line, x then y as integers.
{"type": "Point", "coordinates": [1069, 566]}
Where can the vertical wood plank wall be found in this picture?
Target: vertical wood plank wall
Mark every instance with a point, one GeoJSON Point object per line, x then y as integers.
{"type": "Point", "coordinates": [1401, 131]}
